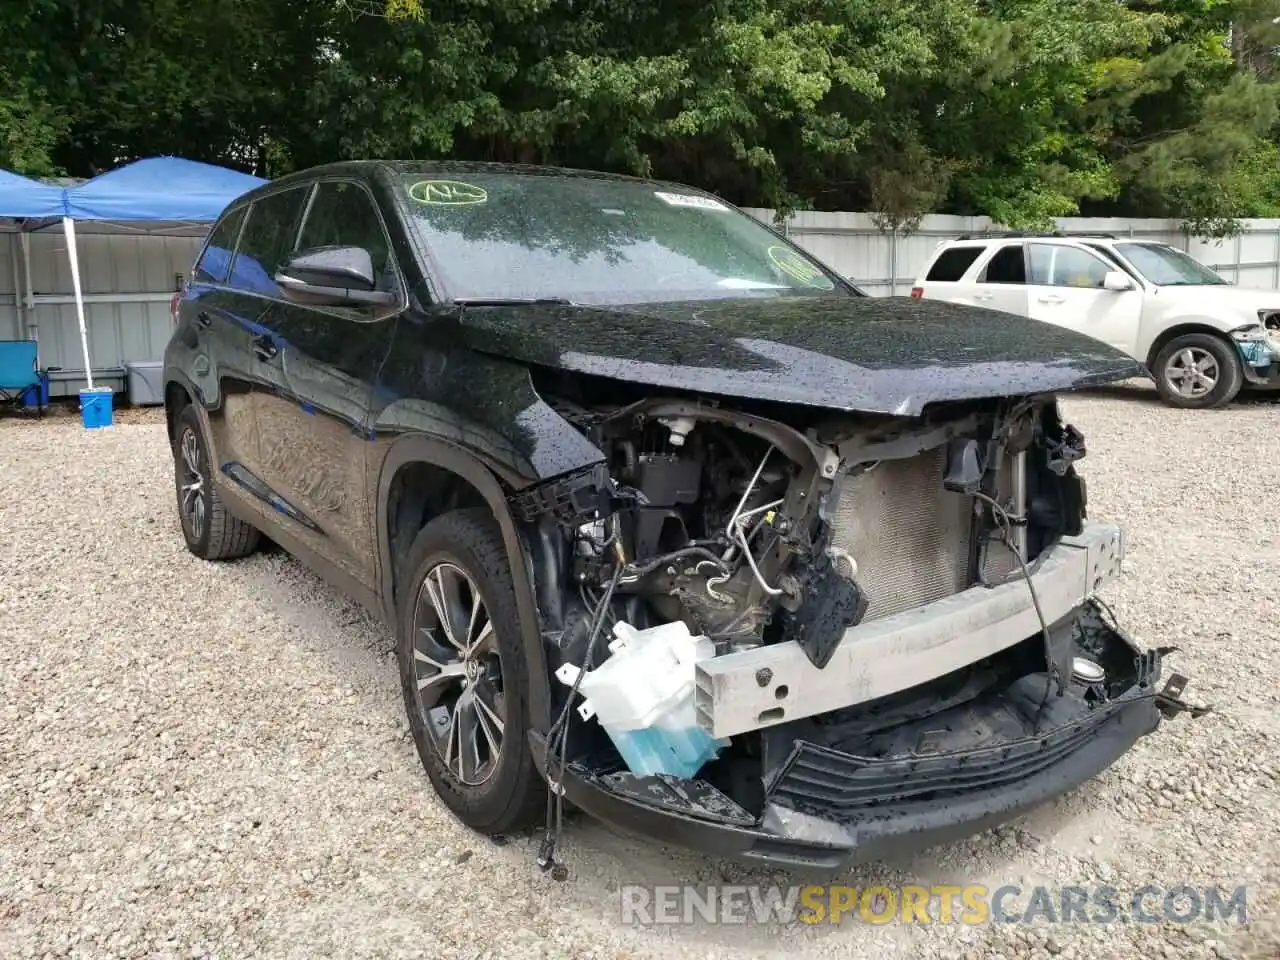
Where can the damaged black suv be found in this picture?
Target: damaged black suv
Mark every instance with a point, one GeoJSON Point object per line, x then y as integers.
{"type": "Point", "coordinates": [664, 512]}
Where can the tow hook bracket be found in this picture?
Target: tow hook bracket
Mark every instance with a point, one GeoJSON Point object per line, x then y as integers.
{"type": "Point", "coordinates": [1170, 701]}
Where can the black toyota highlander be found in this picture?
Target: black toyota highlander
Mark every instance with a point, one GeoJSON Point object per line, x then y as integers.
{"type": "Point", "coordinates": [516, 411]}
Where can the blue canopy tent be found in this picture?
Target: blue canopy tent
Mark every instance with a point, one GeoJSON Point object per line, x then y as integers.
{"type": "Point", "coordinates": [161, 190]}
{"type": "Point", "coordinates": [160, 195]}
{"type": "Point", "coordinates": [23, 199]}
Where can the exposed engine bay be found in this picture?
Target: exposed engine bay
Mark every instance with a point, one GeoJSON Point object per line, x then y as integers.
{"type": "Point", "coordinates": [726, 520]}
{"type": "Point", "coordinates": [862, 591]}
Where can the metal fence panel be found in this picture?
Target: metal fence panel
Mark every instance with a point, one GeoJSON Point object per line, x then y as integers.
{"type": "Point", "coordinates": [887, 264]}
{"type": "Point", "coordinates": [128, 280]}
{"type": "Point", "coordinates": [10, 260]}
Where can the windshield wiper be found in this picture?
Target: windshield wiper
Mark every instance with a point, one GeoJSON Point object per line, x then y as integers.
{"type": "Point", "coordinates": [506, 301]}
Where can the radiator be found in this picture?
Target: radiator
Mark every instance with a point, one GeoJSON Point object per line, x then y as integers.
{"type": "Point", "coordinates": [909, 536]}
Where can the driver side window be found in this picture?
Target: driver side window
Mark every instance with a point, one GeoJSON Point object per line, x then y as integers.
{"type": "Point", "coordinates": [1053, 265]}
{"type": "Point", "coordinates": [342, 214]}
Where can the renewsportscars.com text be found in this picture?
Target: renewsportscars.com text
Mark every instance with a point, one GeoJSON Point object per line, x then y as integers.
{"type": "Point", "coordinates": [937, 904]}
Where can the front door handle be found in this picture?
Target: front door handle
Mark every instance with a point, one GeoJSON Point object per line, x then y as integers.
{"type": "Point", "coordinates": [264, 347]}
{"type": "Point", "coordinates": [203, 319]}
{"type": "Point", "coordinates": [1051, 298]}
{"type": "Point", "coordinates": [983, 296]}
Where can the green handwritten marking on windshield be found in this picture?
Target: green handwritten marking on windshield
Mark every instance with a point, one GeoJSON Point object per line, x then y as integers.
{"type": "Point", "coordinates": [794, 265]}
{"type": "Point", "coordinates": [447, 192]}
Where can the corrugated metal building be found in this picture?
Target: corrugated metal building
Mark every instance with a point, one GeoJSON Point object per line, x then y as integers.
{"type": "Point", "coordinates": [127, 282]}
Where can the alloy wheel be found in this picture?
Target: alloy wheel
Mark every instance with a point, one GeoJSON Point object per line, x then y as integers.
{"type": "Point", "coordinates": [191, 489]}
{"type": "Point", "coordinates": [458, 673]}
{"type": "Point", "coordinates": [1192, 372]}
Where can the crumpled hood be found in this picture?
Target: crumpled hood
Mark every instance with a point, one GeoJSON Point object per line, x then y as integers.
{"type": "Point", "coordinates": [868, 354]}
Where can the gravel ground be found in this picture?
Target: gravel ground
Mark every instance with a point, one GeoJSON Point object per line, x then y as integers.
{"type": "Point", "coordinates": [211, 760]}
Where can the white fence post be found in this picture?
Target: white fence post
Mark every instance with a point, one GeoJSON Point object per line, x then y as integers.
{"type": "Point", "coordinates": [893, 260]}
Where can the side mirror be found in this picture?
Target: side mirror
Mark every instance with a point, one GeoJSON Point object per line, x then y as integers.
{"type": "Point", "coordinates": [1117, 281]}
{"type": "Point", "coordinates": [332, 277]}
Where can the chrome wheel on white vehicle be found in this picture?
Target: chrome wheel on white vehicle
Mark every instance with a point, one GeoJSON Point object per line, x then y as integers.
{"type": "Point", "coordinates": [1198, 371]}
{"type": "Point", "coordinates": [1192, 372]}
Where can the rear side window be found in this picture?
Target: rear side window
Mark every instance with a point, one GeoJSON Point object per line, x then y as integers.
{"type": "Point", "coordinates": [1007, 266]}
{"type": "Point", "coordinates": [267, 240]}
{"type": "Point", "coordinates": [214, 265]}
{"type": "Point", "coordinates": [952, 264]}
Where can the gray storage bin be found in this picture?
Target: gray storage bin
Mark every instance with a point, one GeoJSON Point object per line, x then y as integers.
{"type": "Point", "coordinates": [144, 383]}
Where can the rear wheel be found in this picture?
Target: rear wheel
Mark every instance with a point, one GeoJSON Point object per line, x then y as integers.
{"type": "Point", "coordinates": [462, 672]}
{"type": "Point", "coordinates": [210, 531]}
{"type": "Point", "coordinates": [1198, 371]}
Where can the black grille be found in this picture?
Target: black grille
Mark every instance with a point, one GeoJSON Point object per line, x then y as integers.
{"type": "Point", "coordinates": [814, 775]}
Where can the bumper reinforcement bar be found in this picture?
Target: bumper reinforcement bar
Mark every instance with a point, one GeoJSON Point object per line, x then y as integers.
{"type": "Point", "coordinates": [776, 684]}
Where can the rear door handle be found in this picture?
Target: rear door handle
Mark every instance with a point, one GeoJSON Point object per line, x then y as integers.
{"type": "Point", "coordinates": [203, 319]}
{"type": "Point", "coordinates": [1051, 298]}
{"type": "Point", "coordinates": [264, 347]}
{"type": "Point", "coordinates": [983, 296]}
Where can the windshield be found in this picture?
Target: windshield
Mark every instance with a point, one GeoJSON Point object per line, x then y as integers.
{"type": "Point", "coordinates": [599, 241]}
{"type": "Point", "coordinates": [1167, 267]}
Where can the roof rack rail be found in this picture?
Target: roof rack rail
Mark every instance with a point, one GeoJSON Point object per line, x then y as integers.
{"type": "Point", "coordinates": [1009, 234]}
{"type": "Point", "coordinates": [1021, 234]}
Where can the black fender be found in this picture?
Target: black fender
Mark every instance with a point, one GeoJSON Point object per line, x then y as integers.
{"type": "Point", "coordinates": [417, 448]}
{"type": "Point", "coordinates": [175, 374]}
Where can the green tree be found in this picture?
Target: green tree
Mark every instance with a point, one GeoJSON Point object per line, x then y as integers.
{"type": "Point", "coordinates": [1024, 110]}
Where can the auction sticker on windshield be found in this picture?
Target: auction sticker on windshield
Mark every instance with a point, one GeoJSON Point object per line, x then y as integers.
{"type": "Point", "coordinates": [447, 192]}
{"type": "Point", "coordinates": [689, 200]}
{"type": "Point", "coordinates": [794, 265]}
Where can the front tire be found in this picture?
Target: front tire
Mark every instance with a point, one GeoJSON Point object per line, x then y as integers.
{"type": "Point", "coordinates": [1198, 371]}
{"type": "Point", "coordinates": [210, 531]}
{"type": "Point", "coordinates": [462, 672]}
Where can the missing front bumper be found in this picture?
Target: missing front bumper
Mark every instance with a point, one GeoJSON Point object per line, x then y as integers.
{"type": "Point", "coordinates": [824, 806]}
{"type": "Point", "coordinates": [820, 836]}
{"type": "Point", "coordinates": [777, 684]}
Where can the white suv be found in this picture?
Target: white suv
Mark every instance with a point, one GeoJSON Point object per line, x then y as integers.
{"type": "Point", "coordinates": [1201, 338]}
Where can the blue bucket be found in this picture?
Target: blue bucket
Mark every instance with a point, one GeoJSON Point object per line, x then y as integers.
{"type": "Point", "coordinates": [95, 407]}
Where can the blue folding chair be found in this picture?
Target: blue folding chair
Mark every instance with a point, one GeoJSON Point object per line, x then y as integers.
{"type": "Point", "coordinates": [20, 377]}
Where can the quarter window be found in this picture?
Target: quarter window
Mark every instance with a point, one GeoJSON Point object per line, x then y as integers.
{"type": "Point", "coordinates": [952, 264]}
